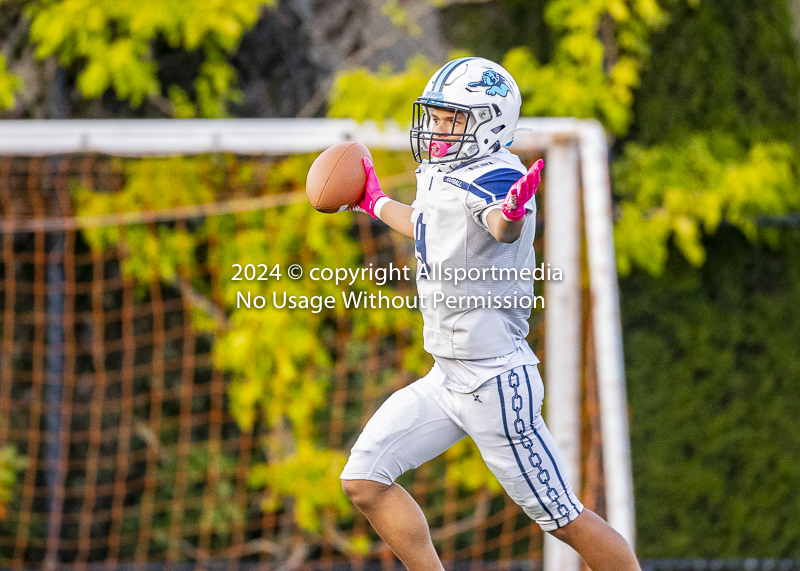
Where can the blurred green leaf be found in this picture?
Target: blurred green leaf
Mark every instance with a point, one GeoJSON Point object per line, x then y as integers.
{"type": "Point", "coordinates": [9, 85]}
{"type": "Point", "coordinates": [112, 43]}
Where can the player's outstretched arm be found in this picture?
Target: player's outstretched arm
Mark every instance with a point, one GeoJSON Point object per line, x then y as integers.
{"type": "Point", "coordinates": [375, 203]}
{"type": "Point", "coordinates": [506, 223]}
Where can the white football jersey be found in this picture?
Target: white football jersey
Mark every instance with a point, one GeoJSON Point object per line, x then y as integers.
{"type": "Point", "coordinates": [485, 314]}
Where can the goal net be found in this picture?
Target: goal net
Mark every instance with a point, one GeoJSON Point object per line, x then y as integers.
{"type": "Point", "coordinates": [149, 418]}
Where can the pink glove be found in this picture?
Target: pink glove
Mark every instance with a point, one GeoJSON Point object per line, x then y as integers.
{"type": "Point", "coordinates": [521, 192]}
{"type": "Point", "coordinates": [374, 198]}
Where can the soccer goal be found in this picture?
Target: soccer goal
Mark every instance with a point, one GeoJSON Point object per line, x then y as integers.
{"type": "Point", "coordinates": [116, 411]}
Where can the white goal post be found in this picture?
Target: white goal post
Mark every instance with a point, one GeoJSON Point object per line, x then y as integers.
{"type": "Point", "coordinates": [577, 177]}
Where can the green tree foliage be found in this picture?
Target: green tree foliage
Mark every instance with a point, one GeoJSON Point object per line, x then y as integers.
{"type": "Point", "coordinates": [721, 66]}
{"type": "Point", "coordinates": [578, 81]}
{"type": "Point", "coordinates": [712, 381]}
{"type": "Point", "coordinates": [710, 350]}
{"type": "Point", "coordinates": [491, 29]}
{"type": "Point", "coordinates": [111, 43]}
{"type": "Point", "coordinates": [706, 64]}
{"type": "Point", "coordinates": [686, 191]}
{"type": "Point", "coordinates": [584, 79]}
{"type": "Point", "coordinates": [360, 94]}
{"type": "Point", "coordinates": [719, 110]}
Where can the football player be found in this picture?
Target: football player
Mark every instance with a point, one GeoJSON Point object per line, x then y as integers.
{"type": "Point", "coordinates": [473, 211]}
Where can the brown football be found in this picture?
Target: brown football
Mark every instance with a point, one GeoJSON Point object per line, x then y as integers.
{"type": "Point", "coordinates": [337, 177]}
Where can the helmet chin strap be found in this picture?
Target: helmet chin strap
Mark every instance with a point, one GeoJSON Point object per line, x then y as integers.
{"type": "Point", "coordinates": [508, 138]}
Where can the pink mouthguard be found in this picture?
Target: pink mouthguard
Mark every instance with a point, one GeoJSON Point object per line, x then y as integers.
{"type": "Point", "coordinates": [439, 148]}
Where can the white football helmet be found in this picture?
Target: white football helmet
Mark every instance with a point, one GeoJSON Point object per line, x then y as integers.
{"type": "Point", "coordinates": [488, 98]}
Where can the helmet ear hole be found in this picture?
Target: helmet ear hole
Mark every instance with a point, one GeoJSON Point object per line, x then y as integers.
{"type": "Point", "coordinates": [486, 141]}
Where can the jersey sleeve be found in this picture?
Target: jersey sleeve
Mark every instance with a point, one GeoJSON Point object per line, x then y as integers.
{"type": "Point", "coordinates": [487, 192]}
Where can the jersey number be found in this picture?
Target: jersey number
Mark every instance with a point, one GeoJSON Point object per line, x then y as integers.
{"type": "Point", "coordinates": [419, 246]}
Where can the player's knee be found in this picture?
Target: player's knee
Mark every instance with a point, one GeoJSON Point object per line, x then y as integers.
{"type": "Point", "coordinates": [350, 488]}
{"type": "Point", "coordinates": [363, 492]}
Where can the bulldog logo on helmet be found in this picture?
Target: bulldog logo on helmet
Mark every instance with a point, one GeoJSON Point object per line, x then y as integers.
{"type": "Point", "coordinates": [494, 81]}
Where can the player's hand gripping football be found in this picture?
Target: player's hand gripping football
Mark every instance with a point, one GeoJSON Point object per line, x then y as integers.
{"type": "Point", "coordinates": [369, 203]}
{"type": "Point", "coordinates": [521, 192]}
